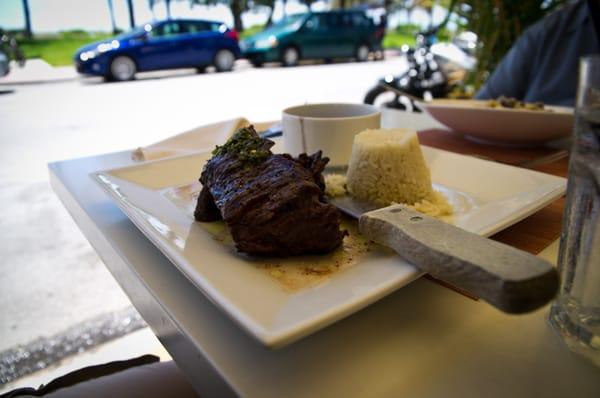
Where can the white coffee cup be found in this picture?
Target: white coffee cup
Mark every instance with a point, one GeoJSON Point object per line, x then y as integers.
{"type": "Point", "coordinates": [327, 127]}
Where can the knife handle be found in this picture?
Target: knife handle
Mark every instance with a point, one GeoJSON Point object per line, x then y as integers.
{"type": "Point", "coordinates": [511, 280]}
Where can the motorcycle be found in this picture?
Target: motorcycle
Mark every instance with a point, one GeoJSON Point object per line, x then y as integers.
{"type": "Point", "coordinates": [9, 48]}
{"type": "Point", "coordinates": [434, 71]}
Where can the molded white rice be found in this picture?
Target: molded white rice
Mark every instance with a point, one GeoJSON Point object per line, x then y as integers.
{"type": "Point", "coordinates": [387, 166]}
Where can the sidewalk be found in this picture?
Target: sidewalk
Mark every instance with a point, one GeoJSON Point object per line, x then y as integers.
{"type": "Point", "coordinates": [37, 71]}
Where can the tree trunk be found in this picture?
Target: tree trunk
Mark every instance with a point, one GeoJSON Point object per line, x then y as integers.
{"type": "Point", "coordinates": [236, 10]}
{"type": "Point", "coordinates": [131, 17]}
{"type": "Point", "coordinates": [28, 32]}
{"type": "Point", "coordinates": [284, 3]}
{"type": "Point", "coordinates": [430, 15]}
{"type": "Point", "coordinates": [112, 17]}
{"type": "Point", "coordinates": [270, 19]}
{"type": "Point", "coordinates": [387, 5]}
{"type": "Point", "coordinates": [453, 4]}
{"type": "Point", "coordinates": [151, 7]}
{"type": "Point", "coordinates": [168, 5]}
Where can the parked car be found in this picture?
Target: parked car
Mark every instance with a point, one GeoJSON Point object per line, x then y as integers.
{"type": "Point", "coordinates": [161, 45]}
{"type": "Point", "coordinates": [315, 35]}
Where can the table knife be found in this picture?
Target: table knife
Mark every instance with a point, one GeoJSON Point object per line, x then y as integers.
{"type": "Point", "coordinates": [509, 279]}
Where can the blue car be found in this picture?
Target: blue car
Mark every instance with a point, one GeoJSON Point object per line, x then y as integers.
{"type": "Point", "coordinates": [161, 45]}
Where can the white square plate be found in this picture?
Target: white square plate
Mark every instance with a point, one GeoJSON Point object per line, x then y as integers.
{"type": "Point", "coordinates": [264, 296]}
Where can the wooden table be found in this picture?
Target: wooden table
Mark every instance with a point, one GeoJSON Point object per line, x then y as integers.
{"type": "Point", "coordinates": [421, 341]}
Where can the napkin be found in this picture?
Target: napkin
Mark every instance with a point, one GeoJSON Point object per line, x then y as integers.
{"type": "Point", "coordinates": [200, 139]}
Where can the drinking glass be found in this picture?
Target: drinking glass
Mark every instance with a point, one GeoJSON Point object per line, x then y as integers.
{"type": "Point", "coordinates": [575, 314]}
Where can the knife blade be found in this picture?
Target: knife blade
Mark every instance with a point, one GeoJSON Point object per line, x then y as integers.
{"type": "Point", "coordinates": [512, 280]}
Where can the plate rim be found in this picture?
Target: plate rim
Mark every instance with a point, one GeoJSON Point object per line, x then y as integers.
{"type": "Point", "coordinates": [558, 110]}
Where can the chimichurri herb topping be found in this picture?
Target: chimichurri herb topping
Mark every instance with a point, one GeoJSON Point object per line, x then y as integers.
{"type": "Point", "coordinates": [246, 145]}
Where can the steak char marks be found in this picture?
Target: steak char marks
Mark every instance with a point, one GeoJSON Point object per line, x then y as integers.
{"type": "Point", "coordinates": [273, 204]}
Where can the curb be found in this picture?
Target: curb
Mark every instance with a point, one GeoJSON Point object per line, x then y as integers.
{"type": "Point", "coordinates": [24, 359]}
{"type": "Point", "coordinates": [37, 81]}
{"type": "Point", "coordinates": [37, 71]}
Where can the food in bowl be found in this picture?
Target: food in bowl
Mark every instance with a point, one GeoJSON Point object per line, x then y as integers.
{"type": "Point", "coordinates": [513, 103]}
{"type": "Point", "coordinates": [272, 204]}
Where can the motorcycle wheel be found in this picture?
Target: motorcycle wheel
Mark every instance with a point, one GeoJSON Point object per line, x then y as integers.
{"type": "Point", "coordinates": [373, 93]}
{"type": "Point", "coordinates": [381, 97]}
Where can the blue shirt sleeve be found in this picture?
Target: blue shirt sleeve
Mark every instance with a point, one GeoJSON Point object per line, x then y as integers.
{"type": "Point", "coordinates": [511, 76]}
{"type": "Point", "coordinates": [542, 65]}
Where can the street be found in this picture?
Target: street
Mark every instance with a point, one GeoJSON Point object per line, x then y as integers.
{"type": "Point", "coordinates": [50, 277]}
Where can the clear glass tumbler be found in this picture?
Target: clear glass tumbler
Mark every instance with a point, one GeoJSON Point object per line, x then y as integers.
{"type": "Point", "coordinates": [575, 315]}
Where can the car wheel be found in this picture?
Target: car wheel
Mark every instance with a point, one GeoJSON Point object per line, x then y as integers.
{"type": "Point", "coordinates": [290, 56]}
{"type": "Point", "coordinates": [362, 53]}
{"type": "Point", "coordinates": [122, 68]}
{"type": "Point", "coordinates": [224, 60]}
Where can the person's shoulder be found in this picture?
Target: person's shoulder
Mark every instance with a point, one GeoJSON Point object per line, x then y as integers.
{"type": "Point", "coordinates": [566, 18]}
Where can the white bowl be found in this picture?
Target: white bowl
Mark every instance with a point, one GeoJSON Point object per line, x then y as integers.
{"type": "Point", "coordinates": [327, 127]}
{"type": "Point", "coordinates": [501, 125]}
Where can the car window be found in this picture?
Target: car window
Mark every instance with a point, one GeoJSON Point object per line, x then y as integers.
{"type": "Point", "coordinates": [316, 22]}
{"type": "Point", "coordinates": [347, 21]}
{"type": "Point", "coordinates": [217, 27]}
{"type": "Point", "coordinates": [334, 20]}
{"type": "Point", "coordinates": [167, 29]}
{"type": "Point", "coordinates": [289, 23]}
{"type": "Point", "coordinates": [195, 26]}
{"type": "Point", "coordinates": [360, 20]}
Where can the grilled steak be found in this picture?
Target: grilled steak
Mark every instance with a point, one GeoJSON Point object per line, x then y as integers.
{"type": "Point", "coordinates": [272, 204]}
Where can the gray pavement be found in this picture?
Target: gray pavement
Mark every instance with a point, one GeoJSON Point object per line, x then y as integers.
{"type": "Point", "coordinates": [50, 277]}
{"type": "Point", "coordinates": [37, 71]}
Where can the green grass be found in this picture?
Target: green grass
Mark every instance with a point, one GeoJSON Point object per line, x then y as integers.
{"type": "Point", "coordinates": [58, 50]}
{"type": "Point", "coordinates": [394, 39]}
{"type": "Point", "coordinates": [251, 31]}
{"type": "Point", "coordinates": [405, 34]}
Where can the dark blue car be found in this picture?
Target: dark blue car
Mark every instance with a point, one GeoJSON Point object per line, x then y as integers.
{"type": "Point", "coordinates": [161, 45]}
